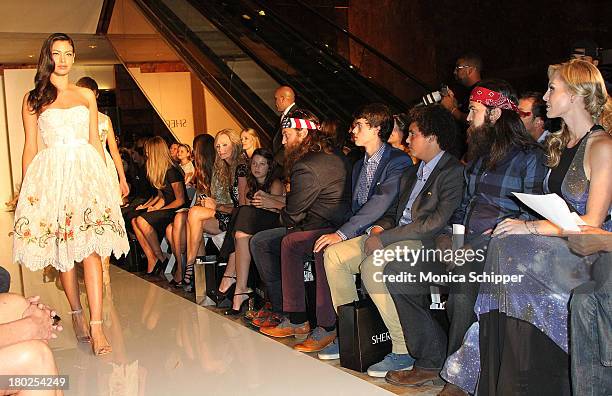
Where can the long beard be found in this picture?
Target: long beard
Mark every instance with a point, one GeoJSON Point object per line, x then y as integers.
{"type": "Point", "coordinates": [480, 140]}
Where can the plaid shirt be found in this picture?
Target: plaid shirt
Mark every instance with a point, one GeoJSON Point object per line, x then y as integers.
{"type": "Point", "coordinates": [368, 170]}
{"type": "Point", "coordinates": [488, 197]}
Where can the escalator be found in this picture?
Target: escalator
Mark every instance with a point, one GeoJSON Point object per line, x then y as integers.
{"type": "Point", "coordinates": [242, 50]}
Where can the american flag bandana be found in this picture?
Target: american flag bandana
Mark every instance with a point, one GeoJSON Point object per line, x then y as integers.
{"type": "Point", "coordinates": [299, 123]}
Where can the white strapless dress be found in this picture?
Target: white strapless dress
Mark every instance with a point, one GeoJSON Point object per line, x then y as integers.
{"type": "Point", "coordinates": [68, 207]}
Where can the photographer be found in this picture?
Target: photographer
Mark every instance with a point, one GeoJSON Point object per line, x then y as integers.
{"type": "Point", "coordinates": [467, 72]}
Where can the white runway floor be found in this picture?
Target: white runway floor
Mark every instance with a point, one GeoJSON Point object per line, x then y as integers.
{"type": "Point", "coordinates": [166, 345]}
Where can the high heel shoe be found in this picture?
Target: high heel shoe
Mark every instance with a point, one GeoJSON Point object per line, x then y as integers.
{"type": "Point", "coordinates": [221, 295]}
{"type": "Point", "coordinates": [84, 338]}
{"type": "Point", "coordinates": [159, 268]}
{"type": "Point", "coordinates": [188, 279]}
{"type": "Point", "coordinates": [250, 300]}
{"type": "Point", "coordinates": [99, 350]}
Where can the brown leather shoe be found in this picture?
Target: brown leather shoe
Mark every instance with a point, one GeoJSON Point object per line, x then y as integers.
{"type": "Point", "coordinates": [452, 390]}
{"type": "Point", "coordinates": [316, 341]}
{"type": "Point", "coordinates": [415, 377]}
{"type": "Point", "coordinates": [287, 329]}
{"type": "Point", "coordinates": [270, 320]}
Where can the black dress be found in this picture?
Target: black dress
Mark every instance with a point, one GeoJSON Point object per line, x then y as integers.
{"type": "Point", "coordinates": [159, 219]}
{"type": "Point", "coordinates": [249, 220]}
{"type": "Point", "coordinates": [225, 218]}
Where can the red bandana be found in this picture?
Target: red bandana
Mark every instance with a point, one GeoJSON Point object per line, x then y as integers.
{"type": "Point", "coordinates": [492, 99]}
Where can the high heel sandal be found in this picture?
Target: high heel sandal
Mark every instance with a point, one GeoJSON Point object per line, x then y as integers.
{"type": "Point", "coordinates": [103, 350]}
{"type": "Point", "coordinates": [188, 278]}
{"type": "Point", "coordinates": [221, 295]}
{"type": "Point", "coordinates": [84, 339]}
{"type": "Point", "coordinates": [250, 300]}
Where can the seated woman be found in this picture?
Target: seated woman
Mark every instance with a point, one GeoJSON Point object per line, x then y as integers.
{"type": "Point", "coordinates": [176, 232]}
{"type": "Point", "coordinates": [168, 179]}
{"type": "Point", "coordinates": [521, 339]}
{"type": "Point", "coordinates": [250, 142]}
{"type": "Point", "coordinates": [228, 190]}
{"type": "Point", "coordinates": [252, 218]}
{"type": "Point", "coordinates": [184, 156]}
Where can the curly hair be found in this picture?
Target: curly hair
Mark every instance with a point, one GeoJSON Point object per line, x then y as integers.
{"type": "Point", "coordinates": [436, 121]}
{"type": "Point", "coordinates": [223, 170]}
{"type": "Point", "coordinates": [584, 80]}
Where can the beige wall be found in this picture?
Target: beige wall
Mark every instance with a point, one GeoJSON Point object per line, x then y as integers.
{"type": "Point", "coordinates": [170, 94]}
{"type": "Point", "coordinates": [217, 116]}
{"type": "Point", "coordinates": [16, 83]}
{"type": "Point", "coordinates": [6, 188]}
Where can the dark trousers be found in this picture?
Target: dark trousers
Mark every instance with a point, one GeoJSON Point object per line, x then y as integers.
{"type": "Point", "coordinates": [295, 247]}
{"type": "Point", "coordinates": [425, 338]}
{"type": "Point", "coordinates": [591, 334]}
{"type": "Point", "coordinates": [266, 252]}
{"type": "Point", "coordinates": [5, 280]}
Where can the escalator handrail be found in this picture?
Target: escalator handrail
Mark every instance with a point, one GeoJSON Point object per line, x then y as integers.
{"type": "Point", "coordinates": [371, 49]}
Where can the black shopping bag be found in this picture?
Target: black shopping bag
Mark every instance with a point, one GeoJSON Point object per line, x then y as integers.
{"type": "Point", "coordinates": [362, 335]}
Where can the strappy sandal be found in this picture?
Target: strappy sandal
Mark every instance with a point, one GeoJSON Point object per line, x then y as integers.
{"type": "Point", "coordinates": [188, 278]}
{"type": "Point", "coordinates": [83, 338]}
{"type": "Point", "coordinates": [101, 350]}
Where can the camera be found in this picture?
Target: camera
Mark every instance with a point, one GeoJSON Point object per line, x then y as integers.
{"type": "Point", "coordinates": [436, 96]}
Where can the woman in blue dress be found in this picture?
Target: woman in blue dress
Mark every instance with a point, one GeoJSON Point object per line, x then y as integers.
{"type": "Point", "coordinates": [520, 343]}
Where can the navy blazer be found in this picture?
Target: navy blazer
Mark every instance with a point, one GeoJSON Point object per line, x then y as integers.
{"type": "Point", "coordinates": [382, 193]}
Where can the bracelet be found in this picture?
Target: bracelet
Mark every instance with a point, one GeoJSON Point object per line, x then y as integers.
{"type": "Point", "coordinates": [535, 229]}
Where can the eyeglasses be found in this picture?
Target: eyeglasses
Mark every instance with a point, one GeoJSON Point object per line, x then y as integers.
{"type": "Point", "coordinates": [461, 67]}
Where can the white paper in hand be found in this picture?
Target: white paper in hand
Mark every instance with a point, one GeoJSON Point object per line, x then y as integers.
{"type": "Point", "coordinates": [553, 208]}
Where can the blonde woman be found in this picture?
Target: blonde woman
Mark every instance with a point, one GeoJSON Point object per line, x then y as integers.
{"type": "Point", "coordinates": [184, 157]}
{"type": "Point", "coordinates": [531, 315]}
{"type": "Point", "coordinates": [250, 141]}
{"type": "Point", "coordinates": [114, 164]}
{"type": "Point", "coordinates": [228, 190]}
{"type": "Point", "coordinates": [168, 179]}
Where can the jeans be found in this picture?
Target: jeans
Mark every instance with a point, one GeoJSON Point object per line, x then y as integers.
{"type": "Point", "coordinates": [591, 333]}
{"type": "Point", "coordinates": [266, 252]}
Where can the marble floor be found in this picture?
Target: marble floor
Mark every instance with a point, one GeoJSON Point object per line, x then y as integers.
{"type": "Point", "coordinates": [165, 344]}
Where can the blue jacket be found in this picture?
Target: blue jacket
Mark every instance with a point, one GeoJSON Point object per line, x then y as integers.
{"type": "Point", "coordinates": [383, 191]}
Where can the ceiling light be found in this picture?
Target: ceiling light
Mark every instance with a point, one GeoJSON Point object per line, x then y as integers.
{"type": "Point", "coordinates": [262, 13]}
{"type": "Point", "coordinates": [245, 16]}
{"type": "Point", "coordinates": [92, 46]}
{"type": "Point", "coordinates": [30, 56]}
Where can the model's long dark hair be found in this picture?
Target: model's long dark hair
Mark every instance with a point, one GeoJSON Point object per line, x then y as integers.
{"type": "Point", "coordinates": [44, 91]}
{"type": "Point", "coordinates": [273, 173]}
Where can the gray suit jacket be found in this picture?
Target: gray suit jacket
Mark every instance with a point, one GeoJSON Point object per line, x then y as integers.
{"type": "Point", "coordinates": [432, 208]}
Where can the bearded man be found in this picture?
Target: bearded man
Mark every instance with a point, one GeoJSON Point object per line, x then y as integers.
{"type": "Point", "coordinates": [503, 158]}
{"type": "Point", "coordinates": [319, 197]}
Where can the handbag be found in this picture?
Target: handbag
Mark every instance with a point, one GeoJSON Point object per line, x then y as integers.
{"type": "Point", "coordinates": [363, 338]}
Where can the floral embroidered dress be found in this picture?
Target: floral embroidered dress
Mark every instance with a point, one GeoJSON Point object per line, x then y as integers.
{"type": "Point", "coordinates": [68, 206]}
{"type": "Point", "coordinates": [103, 128]}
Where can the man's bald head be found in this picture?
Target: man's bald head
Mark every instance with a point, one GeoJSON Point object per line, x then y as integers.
{"type": "Point", "coordinates": [284, 97]}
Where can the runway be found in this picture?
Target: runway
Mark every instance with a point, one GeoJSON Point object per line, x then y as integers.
{"type": "Point", "coordinates": [164, 344]}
